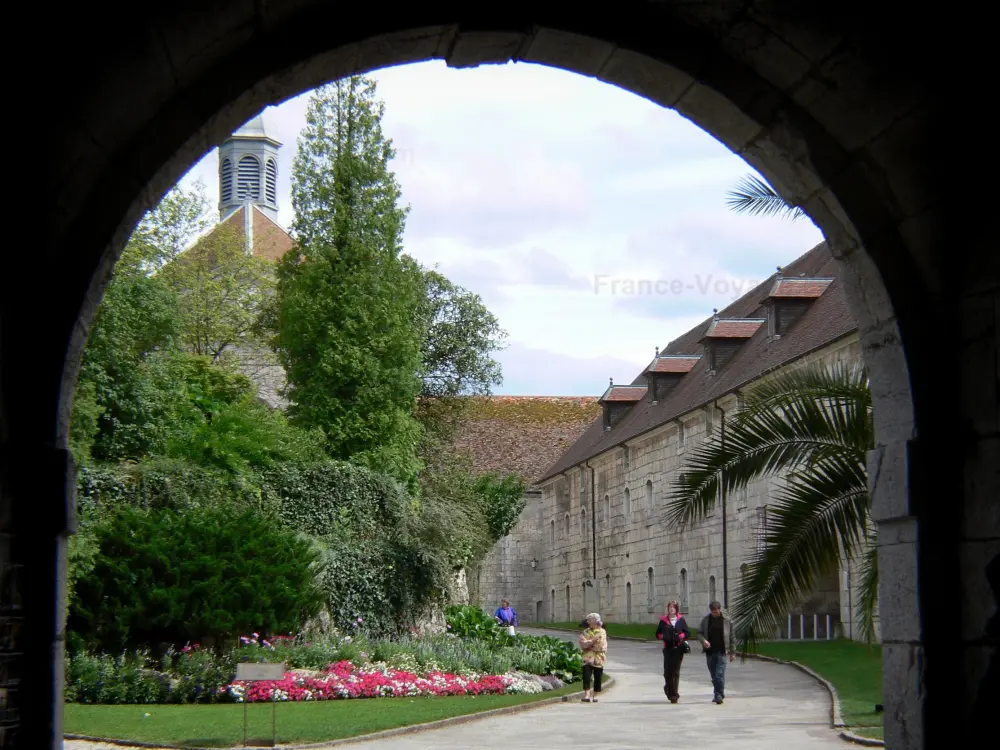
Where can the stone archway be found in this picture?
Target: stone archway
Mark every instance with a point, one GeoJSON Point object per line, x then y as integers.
{"type": "Point", "coordinates": [839, 113]}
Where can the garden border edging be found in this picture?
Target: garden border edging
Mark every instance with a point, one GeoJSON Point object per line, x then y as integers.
{"type": "Point", "coordinates": [836, 717]}
{"type": "Point", "coordinates": [385, 733]}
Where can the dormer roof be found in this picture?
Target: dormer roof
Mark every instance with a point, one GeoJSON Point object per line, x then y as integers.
{"type": "Point", "coordinates": [673, 363]}
{"type": "Point", "coordinates": [623, 394]}
{"type": "Point", "coordinates": [733, 328]}
{"type": "Point", "coordinates": [799, 288]}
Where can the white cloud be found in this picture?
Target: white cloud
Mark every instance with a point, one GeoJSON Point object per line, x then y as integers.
{"type": "Point", "coordinates": [526, 183]}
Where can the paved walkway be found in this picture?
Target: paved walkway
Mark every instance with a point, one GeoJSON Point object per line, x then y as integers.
{"type": "Point", "coordinates": [767, 706]}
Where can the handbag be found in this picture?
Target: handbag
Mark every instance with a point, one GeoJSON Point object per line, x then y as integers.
{"type": "Point", "coordinates": [510, 630]}
{"type": "Point", "coordinates": [686, 647]}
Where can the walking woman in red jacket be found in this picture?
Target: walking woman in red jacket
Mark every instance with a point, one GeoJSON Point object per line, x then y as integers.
{"type": "Point", "coordinates": [673, 631]}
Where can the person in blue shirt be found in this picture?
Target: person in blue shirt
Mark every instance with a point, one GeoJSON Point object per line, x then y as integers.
{"type": "Point", "coordinates": [506, 615]}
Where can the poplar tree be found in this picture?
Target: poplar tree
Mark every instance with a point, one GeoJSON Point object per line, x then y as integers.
{"type": "Point", "coordinates": [350, 331]}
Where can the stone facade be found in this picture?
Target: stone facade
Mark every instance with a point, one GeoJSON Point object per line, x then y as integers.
{"type": "Point", "coordinates": [598, 531]}
{"type": "Point", "coordinates": [507, 571]}
{"type": "Point", "coordinates": [640, 563]}
{"type": "Point", "coordinates": [262, 367]}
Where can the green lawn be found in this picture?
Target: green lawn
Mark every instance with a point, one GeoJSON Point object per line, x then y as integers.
{"type": "Point", "coordinates": [854, 669]}
{"type": "Point", "coordinates": [615, 630]}
{"type": "Point", "coordinates": [221, 725]}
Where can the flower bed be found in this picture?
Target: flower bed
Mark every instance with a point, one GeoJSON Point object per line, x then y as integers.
{"type": "Point", "coordinates": [345, 680]}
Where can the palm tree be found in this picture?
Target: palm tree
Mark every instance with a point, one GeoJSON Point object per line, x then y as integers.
{"type": "Point", "coordinates": [813, 428]}
{"type": "Point", "coordinates": [755, 197]}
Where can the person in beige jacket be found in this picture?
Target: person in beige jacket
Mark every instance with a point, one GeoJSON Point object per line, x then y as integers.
{"type": "Point", "coordinates": [594, 644]}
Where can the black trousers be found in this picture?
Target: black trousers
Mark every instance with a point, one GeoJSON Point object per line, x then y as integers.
{"type": "Point", "coordinates": [672, 658]}
{"type": "Point", "coordinates": [597, 672]}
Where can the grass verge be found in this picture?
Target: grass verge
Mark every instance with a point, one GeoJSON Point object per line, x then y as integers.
{"type": "Point", "coordinates": [854, 669]}
{"type": "Point", "coordinates": [221, 725]}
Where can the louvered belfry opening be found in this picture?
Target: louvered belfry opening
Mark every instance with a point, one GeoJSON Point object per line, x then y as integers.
{"type": "Point", "coordinates": [226, 180]}
{"type": "Point", "coordinates": [271, 182]}
{"type": "Point", "coordinates": [248, 179]}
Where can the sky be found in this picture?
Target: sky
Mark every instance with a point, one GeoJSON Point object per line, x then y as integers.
{"type": "Point", "coordinates": [592, 222]}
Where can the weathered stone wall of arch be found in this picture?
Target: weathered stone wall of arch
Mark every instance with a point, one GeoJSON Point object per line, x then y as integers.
{"type": "Point", "coordinates": [841, 111]}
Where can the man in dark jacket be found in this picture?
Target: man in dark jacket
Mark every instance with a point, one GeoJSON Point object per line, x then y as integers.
{"type": "Point", "coordinates": [715, 639]}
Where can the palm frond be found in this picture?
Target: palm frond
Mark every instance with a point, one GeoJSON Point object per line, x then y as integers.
{"type": "Point", "coordinates": [819, 514]}
{"type": "Point", "coordinates": [755, 197]}
{"type": "Point", "coordinates": [868, 589]}
{"type": "Point", "coordinates": [795, 422]}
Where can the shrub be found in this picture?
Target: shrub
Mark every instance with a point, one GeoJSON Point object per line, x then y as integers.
{"type": "Point", "coordinates": [535, 654]}
{"type": "Point", "coordinates": [373, 564]}
{"type": "Point", "coordinates": [160, 576]}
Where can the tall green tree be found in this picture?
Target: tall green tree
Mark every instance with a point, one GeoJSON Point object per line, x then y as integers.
{"type": "Point", "coordinates": [813, 428]}
{"type": "Point", "coordinates": [120, 410]}
{"type": "Point", "coordinates": [462, 335]}
{"type": "Point", "coordinates": [349, 313]}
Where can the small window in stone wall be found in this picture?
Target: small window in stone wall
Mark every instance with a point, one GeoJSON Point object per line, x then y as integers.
{"type": "Point", "coordinates": [649, 589]}
{"type": "Point", "coordinates": [741, 498]}
{"type": "Point", "coordinates": [607, 588]}
{"type": "Point", "coordinates": [649, 493]}
{"type": "Point", "coordinates": [552, 605]}
{"type": "Point", "coordinates": [680, 437]}
{"type": "Point", "coordinates": [628, 503]}
{"type": "Point", "coordinates": [583, 522]}
{"type": "Point", "coordinates": [568, 609]}
{"type": "Point", "coordinates": [760, 532]}
{"type": "Point", "coordinates": [607, 510]}
{"type": "Point", "coordinates": [684, 590]}
{"type": "Point", "coordinates": [567, 524]}
{"type": "Point", "coordinates": [711, 589]}
{"type": "Point", "coordinates": [552, 531]}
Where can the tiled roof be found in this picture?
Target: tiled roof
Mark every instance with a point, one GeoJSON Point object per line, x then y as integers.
{"type": "Point", "coordinates": [523, 434]}
{"type": "Point", "coordinates": [826, 320]}
{"type": "Point", "coordinates": [800, 288]}
{"type": "Point", "coordinates": [270, 240]}
{"type": "Point", "coordinates": [673, 363]}
{"type": "Point", "coordinates": [625, 393]}
{"type": "Point", "coordinates": [733, 329]}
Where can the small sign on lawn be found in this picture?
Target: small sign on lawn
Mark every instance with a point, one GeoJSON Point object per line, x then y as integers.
{"type": "Point", "coordinates": [246, 672]}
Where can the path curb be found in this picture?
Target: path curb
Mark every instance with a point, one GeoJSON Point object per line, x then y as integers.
{"type": "Point", "coordinates": [836, 717]}
{"type": "Point", "coordinates": [413, 729]}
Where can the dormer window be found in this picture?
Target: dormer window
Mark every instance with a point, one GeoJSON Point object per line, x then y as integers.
{"type": "Point", "coordinates": [789, 299]}
{"type": "Point", "coordinates": [617, 400]}
{"type": "Point", "coordinates": [666, 371]}
{"type": "Point", "coordinates": [725, 336]}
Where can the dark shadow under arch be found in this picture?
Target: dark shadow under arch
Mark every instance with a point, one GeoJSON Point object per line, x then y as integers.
{"type": "Point", "coordinates": [838, 112]}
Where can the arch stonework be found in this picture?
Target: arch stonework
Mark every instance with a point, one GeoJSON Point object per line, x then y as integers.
{"type": "Point", "coordinates": [843, 115]}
